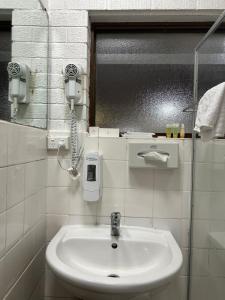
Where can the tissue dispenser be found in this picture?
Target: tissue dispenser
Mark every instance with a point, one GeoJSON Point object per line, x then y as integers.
{"type": "Point", "coordinates": [159, 155]}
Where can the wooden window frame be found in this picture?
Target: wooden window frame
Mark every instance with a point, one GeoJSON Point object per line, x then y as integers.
{"type": "Point", "coordinates": [170, 27]}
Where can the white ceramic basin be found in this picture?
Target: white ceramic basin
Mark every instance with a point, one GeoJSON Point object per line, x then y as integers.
{"type": "Point", "coordinates": [84, 259]}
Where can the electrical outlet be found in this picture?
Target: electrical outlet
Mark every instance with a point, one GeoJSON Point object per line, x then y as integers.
{"type": "Point", "coordinates": [55, 141]}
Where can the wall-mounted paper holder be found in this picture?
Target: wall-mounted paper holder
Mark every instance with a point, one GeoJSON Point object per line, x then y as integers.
{"type": "Point", "coordinates": [153, 155]}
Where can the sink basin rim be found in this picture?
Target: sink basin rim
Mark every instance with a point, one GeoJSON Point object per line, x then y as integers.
{"type": "Point", "coordinates": [106, 284]}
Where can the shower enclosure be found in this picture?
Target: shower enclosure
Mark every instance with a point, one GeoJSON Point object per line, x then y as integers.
{"type": "Point", "coordinates": [207, 228]}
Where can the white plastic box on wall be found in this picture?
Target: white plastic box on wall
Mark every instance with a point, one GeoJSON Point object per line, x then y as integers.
{"type": "Point", "coordinates": [160, 155]}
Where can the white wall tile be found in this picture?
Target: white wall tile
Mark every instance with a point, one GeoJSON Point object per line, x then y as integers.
{"type": "Point", "coordinates": [58, 35]}
{"type": "Point", "coordinates": [83, 220]}
{"type": "Point", "coordinates": [203, 151]}
{"type": "Point", "coordinates": [29, 33]}
{"type": "Point", "coordinates": [218, 174]}
{"type": "Point", "coordinates": [40, 234]}
{"type": "Point", "coordinates": [53, 288]}
{"type": "Point", "coordinates": [14, 264]}
{"type": "Point", "coordinates": [117, 144]}
{"type": "Point", "coordinates": [202, 288]}
{"type": "Point", "coordinates": [185, 229]}
{"type": "Point", "coordinates": [58, 200]}
{"type": "Point", "coordinates": [201, 230]}
{"type": "Point", "coordinates": [184, 269]}
{"type": "Point", "coordinates": [186, 205]}
{"type": "Point", "coordinates": [2, 233]}
{"type": "Point", "coordinates": [216, 262]}
{"type": "Point", "coordinates": [54, 223]}
{"type": "Point", "coordinates": [114, 173]}
{"type": "Point", "coordinates": [91, 144]}
{"type": "Point", "coordinates": [187, 148]}
{"type": "Point", "coordinates": [24, 145]}
{"type": "Point", "coordinates": [29, 17]}
{"type": "Point", "coordinates": [112, 201]}
{"type": "Point", "coordinates": [209, 177]}
{"type": "Point", "coordinates": [77, 34]}
{"type": "Point", "coordinates": [138, 203]}
{"type": "Point", "coordinates": [168, 204]}
{"type": "Point", "coordinates": [15, 185]}
{"type": "Point", "coordinates": [107, 220]}
{"type": "Point", "coordinates": [142, 222]}
{"type": "Point", "coordinates": [57, 176]}
{"type": "Point", "coordinates": [173, 225]}
{"type": "Point", "coordinates": [35, 141]}
{"type": "Point", "coordinates": [35, 177]}
{"type": "Point", "coordinates": [34, 209]}
{"type": "Point", "coordinates": [202, 202]}
{"type": "Point", "coordinates": [174, 179]}
{"type": "Point", "coordinates": [217, 206]}
{"type": "Point", "coordinates": [77, 205]}
{"type": "Point", "coordinates": [29, 49]}
{"type": "Point", "coordinates": [139, 178]}
{"type": "Point", "coordinates": [2, 274]}
{"type": "Point", "coordinates": [14, 224]}
{"type": "Point", "coordinates": [176, 290]}
{"type": "Point", "coordinates": [69, 18]}
{"type": "Point", "coordinates": [218, 151]}
{"type": "Point", "coordinates": [3, 186]}
{"type": "Point", "coordinates": [56, 81]}
{"type": "Point", "coordinates": [16, 140]}
{"type": "Point", "coordinates": [69, 50]}
{"type": "Point", "coordinates": [200, 262]}
{"type": "Point", "coordinates": [3, 148]}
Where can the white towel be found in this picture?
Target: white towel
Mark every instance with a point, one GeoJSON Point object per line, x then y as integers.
{"type": "Point", "coordinates": [210, 119]}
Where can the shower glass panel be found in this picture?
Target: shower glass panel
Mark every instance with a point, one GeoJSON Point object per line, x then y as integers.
{"type": "Point", "coordinates": [207, 261]}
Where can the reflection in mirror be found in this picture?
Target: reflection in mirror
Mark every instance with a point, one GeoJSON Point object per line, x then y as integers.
{"type": "Point", "coordinates": [24, 66]}
{"type": "Point", "coordinates": [5, 57]}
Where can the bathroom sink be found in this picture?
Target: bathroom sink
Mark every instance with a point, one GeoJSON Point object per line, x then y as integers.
{"type": "Point", "coordinates": [95, 265]}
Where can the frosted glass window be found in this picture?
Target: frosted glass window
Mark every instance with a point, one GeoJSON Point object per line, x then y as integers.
{"type": "Point", "coordinates": [144, 80]}
{"type": "Point", "coordinates": [5, 57]}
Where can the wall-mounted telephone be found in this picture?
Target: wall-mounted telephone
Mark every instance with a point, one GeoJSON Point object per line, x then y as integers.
{"type": "Point", "coordinates": [19, 84]}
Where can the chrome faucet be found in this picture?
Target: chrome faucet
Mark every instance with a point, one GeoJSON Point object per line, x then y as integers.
{"type": "Point", "coordinates": [115, 223]}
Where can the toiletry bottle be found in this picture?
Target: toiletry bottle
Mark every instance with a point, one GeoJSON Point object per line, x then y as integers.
{"type": "Point", "coordinates": [182, 131]}
{"type": "Point", "coordinates": [168, 130]}
{"type": "Point", "coordinates": [175, 130]}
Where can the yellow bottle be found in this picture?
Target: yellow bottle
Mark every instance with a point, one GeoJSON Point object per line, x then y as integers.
{"type": "Point", "coordinates": [168, 130]}
{"type": "Point", "coordinates": [182, 131]}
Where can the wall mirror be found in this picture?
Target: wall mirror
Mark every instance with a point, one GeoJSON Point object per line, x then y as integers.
{"type": "Point", "coordinates": [24, 34]}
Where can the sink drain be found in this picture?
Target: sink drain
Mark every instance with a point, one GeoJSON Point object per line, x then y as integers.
{"type": "Point", "coordinates": [113, 275]}
{"type": "Point", "coordinates": [114, 245]}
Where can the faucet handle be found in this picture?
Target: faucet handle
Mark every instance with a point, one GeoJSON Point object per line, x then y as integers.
{"type": "Point", "coordinates": [115, 218]}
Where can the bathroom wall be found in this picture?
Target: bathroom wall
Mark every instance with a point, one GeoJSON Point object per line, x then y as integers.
{"type": "Point", "coordinates": [208, 275]}
{"type": "Point", "coordinates": [145, 197]}
{"type": "Point", "coordinates": [22, 211]}
{"type": "Point", "coordinates": [158, 198]}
